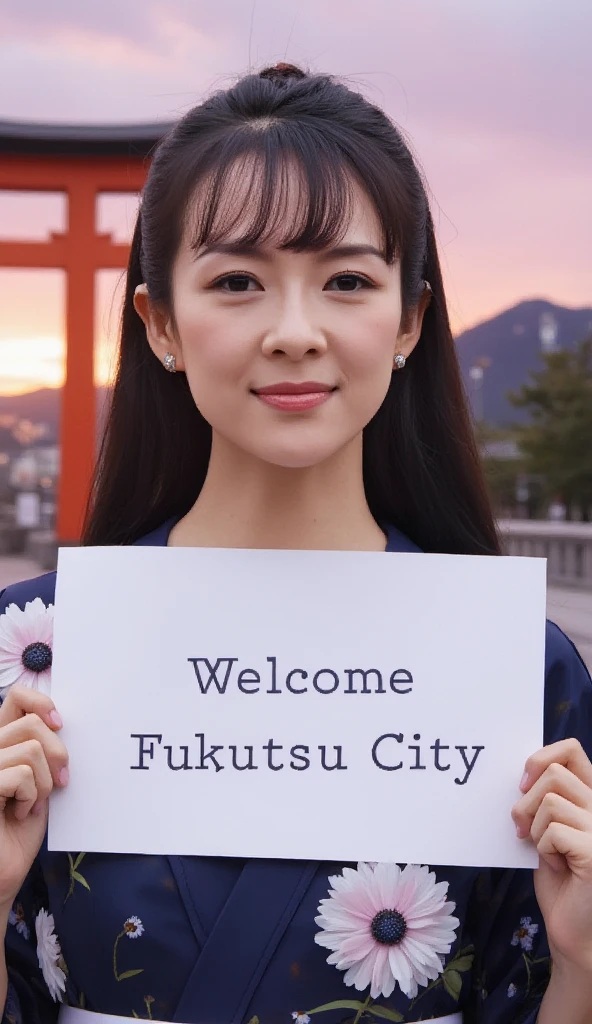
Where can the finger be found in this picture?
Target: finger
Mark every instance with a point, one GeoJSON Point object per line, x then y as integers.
{"type": "Point", "coordinates": [569, 753]}
{"type": "Point", "coordinates": [570, 843]}
{"type": "Point", "coordinates": [22, 700]}
{"type": "Point", "coordinates": [556, 779]}
{"type": "Point", "coordinates": [18, 784]}
{"type": "Point", "coordinates": [32, 728]}
{"type": "Point", "coordinates": [32, 754]}
{"type": "Point", "coordinates": [555, 808]}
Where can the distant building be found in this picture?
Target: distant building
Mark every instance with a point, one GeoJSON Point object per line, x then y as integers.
{"type": "Point", "coordinates": [548, 332]}
{"type": "Point", "coordinates": [503, 450]}
{"type": "Point", "coordinates": [36, 467]}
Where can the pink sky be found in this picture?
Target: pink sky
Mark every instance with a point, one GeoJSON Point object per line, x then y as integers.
{"type": "Point", "coordinates": [494, 98]}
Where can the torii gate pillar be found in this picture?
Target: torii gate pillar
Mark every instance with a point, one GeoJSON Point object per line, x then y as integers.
{"type": "Point", "coordinates": [81, 162]}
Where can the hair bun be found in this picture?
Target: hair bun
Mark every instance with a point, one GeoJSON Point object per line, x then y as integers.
{"type": "Point", "coordinates": [282, 72]}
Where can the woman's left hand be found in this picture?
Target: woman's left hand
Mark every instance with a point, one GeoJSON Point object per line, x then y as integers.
{"type": "Point", "coordinates": [556, 812]}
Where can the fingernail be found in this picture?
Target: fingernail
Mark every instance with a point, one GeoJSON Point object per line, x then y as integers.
{"type": "Point", "coordinates": [524, 782]}
{"type": "Point", "coordinates": [519, 832]}
{"type": "Point", "coordinates": [55, 719]}
{"type": "Point", "coordinates": [63, 777]}
{"type": "Point", "coordinates": [38, 808]}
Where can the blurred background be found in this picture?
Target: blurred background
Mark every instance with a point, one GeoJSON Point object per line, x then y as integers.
{"type": "Point", "coordinates": [494, 99]}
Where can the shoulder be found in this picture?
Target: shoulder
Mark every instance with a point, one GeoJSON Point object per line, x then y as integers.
{"type": "Point", "coordinates": [398, 541]}
{"type": "Point", "coordinates": [568, 691]}
{"type": "Point", "coordinates": [22, 593]}
{"type": "Point", "coordinates": [562, 655]}
{"type": "Point", "coordinates": [44, 586]}
{"type": "Point", "coordinates": [560, 650]}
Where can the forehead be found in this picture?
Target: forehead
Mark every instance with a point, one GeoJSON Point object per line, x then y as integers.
{"type": "Point", "coordinates": [281, 207]}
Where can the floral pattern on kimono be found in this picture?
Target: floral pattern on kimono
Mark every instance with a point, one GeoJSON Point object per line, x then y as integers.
{"type": "Point", "coordinates": [192, 939]}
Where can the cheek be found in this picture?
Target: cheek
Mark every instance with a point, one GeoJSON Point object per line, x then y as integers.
{"type": "Point", "coordinates": [368, 349]}
{"type": "Point", "coordinates": [217, 361]}
{"type": "Point", "coordinates": [213, 347]}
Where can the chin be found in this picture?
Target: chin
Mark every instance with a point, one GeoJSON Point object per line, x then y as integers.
{"type": "Point", "coordinates": [296, 458]}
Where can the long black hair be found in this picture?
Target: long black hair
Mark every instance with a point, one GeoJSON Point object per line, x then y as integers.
{"type": "Point", "coordinates": [421, 465]}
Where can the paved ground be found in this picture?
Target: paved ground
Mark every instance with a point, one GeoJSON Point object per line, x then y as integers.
{"type": "Point", "coordinates": [570, 609]}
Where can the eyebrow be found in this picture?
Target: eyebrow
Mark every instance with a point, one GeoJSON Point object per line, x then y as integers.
{"type": "Point", "coordinates": [337, 252]}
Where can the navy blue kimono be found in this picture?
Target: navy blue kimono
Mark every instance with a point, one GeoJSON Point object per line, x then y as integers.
{"type": "Point", "coordinates": [221, 941]}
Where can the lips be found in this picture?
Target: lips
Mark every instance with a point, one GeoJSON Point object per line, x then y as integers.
{"type": "Point", "coordinates": [288, 397]}
{"type": "Point", "coordinates": [308, 387]}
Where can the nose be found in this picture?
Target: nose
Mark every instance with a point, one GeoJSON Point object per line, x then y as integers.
{"type": "Point", "coordinates": [294, 334]}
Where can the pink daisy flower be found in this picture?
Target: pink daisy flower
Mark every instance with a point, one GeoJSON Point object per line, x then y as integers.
{"type": "Point", "coordinates": [387, 926]}
{"type": "Point", "coordinates": [26, 646]}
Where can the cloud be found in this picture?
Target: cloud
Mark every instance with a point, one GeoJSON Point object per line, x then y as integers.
{"type": "Point", "coordinates": [108, 62]}
{"type": "Point", "coordinates": [522, 70]}
{"type": "Point", "coordinates": [494, 97]}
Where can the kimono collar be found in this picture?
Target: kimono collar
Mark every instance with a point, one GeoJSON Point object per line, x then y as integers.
{"type": "Point", "coordinates": [396, 541]}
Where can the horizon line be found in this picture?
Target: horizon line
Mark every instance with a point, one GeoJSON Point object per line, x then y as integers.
{"type": "Point", "coordinates": [31, 388]}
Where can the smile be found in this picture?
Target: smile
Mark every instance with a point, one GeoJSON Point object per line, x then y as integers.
{"type": "Point", "coordinates": [291, 397]}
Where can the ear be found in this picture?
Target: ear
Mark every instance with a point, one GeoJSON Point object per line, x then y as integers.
{"type": "Point", "coordinates": [159, 328]}
{"type": "Point", "coordinates": [407, 339]}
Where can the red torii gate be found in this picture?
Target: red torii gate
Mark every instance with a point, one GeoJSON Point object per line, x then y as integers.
{"type": "Point", "coordinates": [81, 161]}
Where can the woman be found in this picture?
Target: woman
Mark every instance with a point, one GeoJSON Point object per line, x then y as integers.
{"type": "Point", "coordinates": [288, 379]}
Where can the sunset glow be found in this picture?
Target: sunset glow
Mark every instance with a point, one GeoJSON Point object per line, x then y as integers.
{"type": "Point", "coordinates": [505, 156]}
{"type": "Point", "coordinates": [31, 358]}
{"type": "Point", "coordinates": [32, 363]}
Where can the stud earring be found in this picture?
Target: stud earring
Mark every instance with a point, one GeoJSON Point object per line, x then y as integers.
{"type": "Point", "coordinates": [170, 363]}
{"type": "Point", "coordinates": [399, 361]}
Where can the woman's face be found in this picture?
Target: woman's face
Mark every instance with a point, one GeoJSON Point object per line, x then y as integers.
{"type": "Point", "coordinates": [288, 355]}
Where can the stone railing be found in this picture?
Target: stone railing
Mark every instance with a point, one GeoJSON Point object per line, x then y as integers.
{"type": "Point", "coordinates": [566, 546]}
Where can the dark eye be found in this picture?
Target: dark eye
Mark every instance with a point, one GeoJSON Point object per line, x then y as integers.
{"type": "Point", "coordinates": [234, 283]}
{"type": "Point", "coordinates": [349, 283]}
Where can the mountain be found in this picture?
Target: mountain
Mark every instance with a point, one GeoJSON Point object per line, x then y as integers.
{"type": "Point", "coordinates": [509, 346]}
{"type": "Point", "coordinates": [34, 418]}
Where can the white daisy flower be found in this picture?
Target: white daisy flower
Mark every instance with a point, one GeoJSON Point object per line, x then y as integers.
{"type": "Point", "coordinates": [512, 990]}
{"type": "Point", "coordinates": [26, 646]}
{"type": "Point", "coordinates": [525, 933]}
{"type": "Point", "coordinates": [48, 954]}
{"type": "Point", "coordinates": [387, 926]}
{"type": "Point", "coordinates": [133, 928]}
{"type": "Point", "coordinates": [300, 1018]}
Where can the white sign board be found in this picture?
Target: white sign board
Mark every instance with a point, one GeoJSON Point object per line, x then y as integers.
{"type": "Point", "coordinates": [336, 706]}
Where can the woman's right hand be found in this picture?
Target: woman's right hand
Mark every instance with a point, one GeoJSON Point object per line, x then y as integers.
{"type": "Point", "coordinates": [32, 761]}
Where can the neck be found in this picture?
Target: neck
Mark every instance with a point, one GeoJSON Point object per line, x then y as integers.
{"type": "Point", "coordinates": [248, 503]}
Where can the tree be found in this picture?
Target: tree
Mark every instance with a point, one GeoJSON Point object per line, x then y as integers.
{"type": "Point", "coordinates": [557, 443]}
{"type": "Point", "coordinates": [503, 465]}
